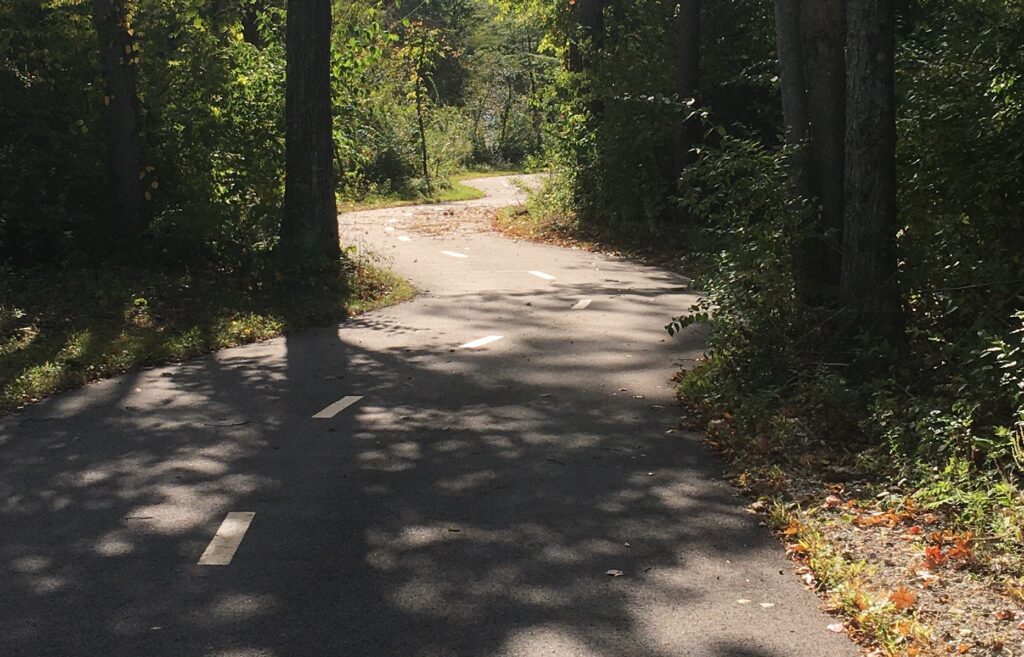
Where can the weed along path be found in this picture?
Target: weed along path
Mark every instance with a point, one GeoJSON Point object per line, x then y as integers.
{"type": "Point", "coordinates": [492, 469]}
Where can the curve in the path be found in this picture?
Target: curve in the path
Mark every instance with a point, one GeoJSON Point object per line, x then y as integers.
{"type": "Point", "coordinates": [452, 477]}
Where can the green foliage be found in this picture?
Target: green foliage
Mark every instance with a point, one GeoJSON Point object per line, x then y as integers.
{"type": "Point", "coordinates": [211, 89]}
{"type": "Point", "coordinates": [944, 411]}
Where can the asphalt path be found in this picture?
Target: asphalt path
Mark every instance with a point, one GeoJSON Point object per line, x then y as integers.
{"type": "Point", "coordinates": [452, 477]}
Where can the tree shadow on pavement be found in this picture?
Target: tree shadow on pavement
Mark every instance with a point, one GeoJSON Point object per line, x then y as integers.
{"type": "Point", "coordinates": [471, 504]}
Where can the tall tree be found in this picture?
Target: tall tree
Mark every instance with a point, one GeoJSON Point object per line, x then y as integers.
{"type": "Point", "coordinates": [125, 163]}
{"type": "Point", "coordinates": [309, 230]}
{"type": "Point", "coordinates": [688, 73]}
{"type": "Point", "coordinates": [810, 36]}
{"type": "Point", "coordinates": [869, 285]}
{"type": "Point", "coordinates": [589, 37]}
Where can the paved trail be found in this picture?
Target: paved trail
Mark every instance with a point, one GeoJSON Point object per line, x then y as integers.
{"type": "Point", "coordinates": [452, 477]}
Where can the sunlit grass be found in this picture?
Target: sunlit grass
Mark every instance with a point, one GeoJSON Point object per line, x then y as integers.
{"type": "Point", "coordinates": [59, 330]}
{"type": "Point", "coordinates": [454, 192]}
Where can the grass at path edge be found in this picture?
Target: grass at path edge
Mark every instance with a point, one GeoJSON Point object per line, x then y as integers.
{"type": "Point", "coordinates": [62, 329]}
{"type": "Point", "coordinates": [457, 191]}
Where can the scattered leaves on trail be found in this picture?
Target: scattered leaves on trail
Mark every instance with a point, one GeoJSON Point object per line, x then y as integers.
{"type": "Point", "coordinates": [887, 519]}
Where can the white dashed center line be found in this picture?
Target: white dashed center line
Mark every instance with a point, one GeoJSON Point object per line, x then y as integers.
{"type": "Point", "coordinates": [453, 254]}
{"type": "Point", "coordinates": [389, 229]}
{"type": "Point", "coordinates": [476, 344]}
{"type": "Point", "coordinates": [336, 408]}
{"type": "Point", "coordinates": [540, 274]}
{"type": "Point", "coordinates": [404, 238]}
{"type": "Point", "coordinates": [582, 305]}
{"type": "Point", "coordinates": [222, 548]}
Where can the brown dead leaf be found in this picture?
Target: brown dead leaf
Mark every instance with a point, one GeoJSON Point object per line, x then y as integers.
{"type": "Point", "coordinates": [961, 550]}
{"type": "Point", "coordinates": [933, 557]}
{"type": "Point", "coordinates": [903, 598]}
{"type": "Point", "coordinates": [887, 519]}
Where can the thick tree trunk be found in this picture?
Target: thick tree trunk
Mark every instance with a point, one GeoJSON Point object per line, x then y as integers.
{"type": "Point", "coordinates": [824, 35]}
{"type": "Point", "coordinates": [869, 285]}
{"type": "Point", "coordinates": [309, 230]}
{"type": "Point", "coordinates": [810, 36]}
{"type": "Point", "coordinates": [688, 75]}
{"type": "Point", "coordinates": [590, 35]}
{"type": "Point", "coordinates": [122, 121]}
{"type": "Point", "coordinates": [789, 42]}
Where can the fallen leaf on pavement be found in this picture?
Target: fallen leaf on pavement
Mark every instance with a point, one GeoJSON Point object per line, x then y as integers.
{"type": "Point", "coordinates": [614, 573]}
{"type": "Point", "coordinates": [903, 598]}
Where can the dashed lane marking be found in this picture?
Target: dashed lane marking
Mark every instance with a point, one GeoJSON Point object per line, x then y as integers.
{"type": "Point", "coordinates": [222, 548]}
{"type": "Point", "coordinates": [476, 344]}
{"type": "Point", "coordinates": [336, 408]}
{"type": "Point", "coordinates": [453, 254]}
{"type": "Point", "coordinates": [540, 274]}
{"type": "Point", "coordinates": [583, 305]}
{"type": "Point", "coordinates": [404, 238]}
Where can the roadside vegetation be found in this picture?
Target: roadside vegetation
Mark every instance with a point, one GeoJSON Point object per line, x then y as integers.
{"type": "Point", "coordinates": [160, 185]}
{"type": "Point", "coordinates": [851, 221]}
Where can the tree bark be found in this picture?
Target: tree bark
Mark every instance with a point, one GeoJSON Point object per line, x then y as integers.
{"type": "Point", "coordinates": [869, 272]}
{"type": "Point", "coordinates": [809, 36]}
{"type": "Point", "coordinates": [688, 76]}
{"type": "Point", "coordinates": [309, 230]}
{"type": "Point", "coordinates": [789, 43]}
{"type": "Point", "coordinates": [590, 35]}
{"type": "Point", "coordinates": [824, 35]}
{"type": "Point", "coordinates": [122, 119]}
{"type": "Point", "coordinates": [420, 121]}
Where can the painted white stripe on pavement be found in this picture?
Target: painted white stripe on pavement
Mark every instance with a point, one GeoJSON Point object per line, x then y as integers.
{"type": "Point", "coordinates": [540, 274]}
{"type": "Point", "coordinates": [389, 229]}
{"type": "Point", "coordinates": [453, 254]}
{"type": "Point", "coordinates": [475, 344]}
{"type": "Point", "coordinates": [222, 548]}
{"type": "Point", "coordinates": [582, 305]}
{"type": "Point", "coordinates": [404, 238]}
{"type": "Point", "coordinates": [336, 408]}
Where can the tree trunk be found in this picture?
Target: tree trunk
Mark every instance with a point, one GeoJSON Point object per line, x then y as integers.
{"type": "Point", "coordinates": [824, 35]}
{"type": "Point", "coordinates": [809, 37]}
{"type": "Point", "coordinates": [688, 76]}
{"type": "Point", "coordinates": [250, 23]}
{"type": "Point", "coordinates": [789, 42]}
{"type": "Point", "coordinates": [506, 111]}
{"type": "Point", "coordinates": [309, 231]}
{"type": "Point", "coordinates": [590, 35]}
{"type": "Point", "coordinates": [420, 121]}
{"type": "Point", "coordinates": [869, 285]}
{"type": "Point", "coordinates": [125, 163]}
